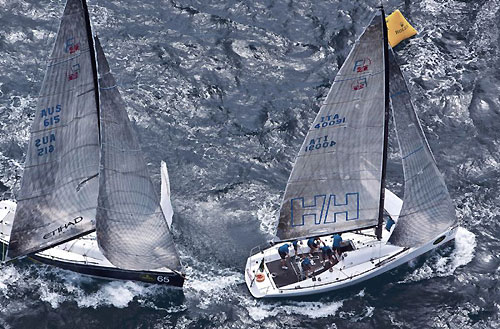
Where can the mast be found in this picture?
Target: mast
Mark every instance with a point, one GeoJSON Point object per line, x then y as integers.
{"type": "Point", "coordinates": [378, 229]}
{"type": "Point", "coordinates": [93, 63]}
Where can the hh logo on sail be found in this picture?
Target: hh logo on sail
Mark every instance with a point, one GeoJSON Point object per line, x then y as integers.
{"type": "Point", "coordinates": [325, 209]}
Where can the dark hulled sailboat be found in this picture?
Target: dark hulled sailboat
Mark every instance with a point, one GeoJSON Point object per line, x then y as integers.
{"type": "Point", "coordinates": [85, 172]}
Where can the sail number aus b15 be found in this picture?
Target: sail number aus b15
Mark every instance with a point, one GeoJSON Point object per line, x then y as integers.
{"type": "Point", "coordinates": [45, 144]}
{"type": "Point", "coordinates": [50, 115]}
{"type": "Point", "coordinates": [324, 209]}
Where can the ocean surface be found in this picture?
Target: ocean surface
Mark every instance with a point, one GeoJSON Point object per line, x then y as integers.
{"type": "Point", "coordinates": [224, 92]}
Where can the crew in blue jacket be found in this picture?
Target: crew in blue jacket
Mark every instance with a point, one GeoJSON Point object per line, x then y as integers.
{"type": "Point", "coordinates": [283, 251]}
{"type": "Point", "coordinates": [295, 245]}
{"type": "Point", "coordinates": [313, 244]}
{"type": "Point", "coordinates": [327, 254]}
{"type": "Point", "coordinates": [306, 266]}
{"type": "Point", "coordinates": [337, 242]}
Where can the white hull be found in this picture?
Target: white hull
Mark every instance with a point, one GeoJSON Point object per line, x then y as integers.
{"type": "Point", "coordinates": [369, 259]}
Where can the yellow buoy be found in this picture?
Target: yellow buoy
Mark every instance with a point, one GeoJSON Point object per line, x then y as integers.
{"type": "Point", "coordinates": [398, 28]}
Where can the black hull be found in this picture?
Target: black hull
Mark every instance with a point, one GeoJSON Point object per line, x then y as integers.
{"type": "Point", "coordinates": [171, 279]}
{"type": "Point", "coordinates": [161, 278]}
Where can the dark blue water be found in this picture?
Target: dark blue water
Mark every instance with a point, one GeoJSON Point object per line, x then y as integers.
{"type": "Point", "coordinates": [224, 92]}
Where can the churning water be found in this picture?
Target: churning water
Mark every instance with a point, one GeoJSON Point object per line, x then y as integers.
{"type": "Point", "coordinates": [224, 92]}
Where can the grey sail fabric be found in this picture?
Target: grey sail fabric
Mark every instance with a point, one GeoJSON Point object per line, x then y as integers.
{"type": "Point", "coordinates": [58, 196]}
{"type": "Point", "coordinates": [427, 207]}
{"type": "Point", "coordinates": [335, 184]}
{"type": "Point", "coordinates": [131, 230]}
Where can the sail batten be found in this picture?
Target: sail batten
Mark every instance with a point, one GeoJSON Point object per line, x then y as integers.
{"type": "Point", "coordinates": [132, 231]}
{"type": "Point", "coordinates": [63, 148]}
{"type": "Point", "coordinates": [337, 176]}
{"type": "Point", "coordinates": [427, 207]}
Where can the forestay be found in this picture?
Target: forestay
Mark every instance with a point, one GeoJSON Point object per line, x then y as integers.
{"type": "Point", "coordinates": [131, 230]}
{"type": "Point", "coordinates": [58, 195]}
{"type": "Point", "coordinates": [335, 184]}
{"type": "Point", "coordinates": [427, 207]}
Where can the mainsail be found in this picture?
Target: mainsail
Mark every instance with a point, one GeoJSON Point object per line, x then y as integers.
{"type": "Point", "coordinates": [427, 206]}
{"type": "Point", "coordinates": [336, 182]}
{"type": "Point", "coordinates": [58, 196]}
{"type": "Point", "coordinates": [131, 229]}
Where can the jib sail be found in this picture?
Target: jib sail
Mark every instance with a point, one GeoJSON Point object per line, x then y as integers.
{"type": "Point", "coordinates": [131, 229]}
{"type": "Point", "coordinates": [427, 207]}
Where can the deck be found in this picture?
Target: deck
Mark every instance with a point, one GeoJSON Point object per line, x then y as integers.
{"type": "Point", "coordinates": [294, 272]}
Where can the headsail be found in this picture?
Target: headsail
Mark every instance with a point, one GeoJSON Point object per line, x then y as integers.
{"type": "Point", "coordinates": [165, 203]}
{"type": "Point", "coordinates": [335, 184]}
{"type": "Point", "coordinates": [58, 196]}
{"type": "Point", "coordinates": [427, 207]}
{"type": "Point", "coordinates": [131, 229]}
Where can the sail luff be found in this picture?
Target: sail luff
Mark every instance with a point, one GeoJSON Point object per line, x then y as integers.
{"type": "Point", "coordinates": [378, 230]}
{"type": "Point", "coordinates": [132, 232]}
{"type": "Point", "coordinates": [58, 195]}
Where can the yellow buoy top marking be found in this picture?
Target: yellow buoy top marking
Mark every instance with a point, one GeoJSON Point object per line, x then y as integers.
{"type": "Point", "coordinates": [398, 28]}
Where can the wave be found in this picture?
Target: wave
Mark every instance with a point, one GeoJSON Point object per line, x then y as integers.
{"type": "Point", "coordinates": [439, 265]}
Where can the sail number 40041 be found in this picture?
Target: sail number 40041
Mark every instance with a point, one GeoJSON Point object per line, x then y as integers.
{"type": "Point", "coordinates": [330, 120]}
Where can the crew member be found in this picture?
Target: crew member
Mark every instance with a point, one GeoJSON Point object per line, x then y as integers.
{"type": "Point", "coordinates": [313, 244]}
{"type": "Point", "coordinates": [327, 254]}
{"type": "Point", "coordinates": [306, 266]}
{"type": "Point", "coordinates": [337, 242]}
{"type": "Point", "coordinates": [295, 245]}
{"type": "Point", "coordinates": [283, 251]}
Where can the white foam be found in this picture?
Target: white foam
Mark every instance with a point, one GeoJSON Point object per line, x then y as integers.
{"type": "Point", "coordinates": [15, 36]}
{"type": "Point", "coordinates": [47, 294]}
{"type": "Point", "coordinates": [116, 293]}
{"type": "Point", "coordinates": [210, 285]}
{"type": "Point", "coordinates": [258, 310]}
{"type": "Point", "coordinates": [55, 286]}
{"type": "Point", "coordinates": [267, 215]}
{"type": "Point", "coordinates": [440, 266]}
{"type": "Point", "coordinates": [8, 274]}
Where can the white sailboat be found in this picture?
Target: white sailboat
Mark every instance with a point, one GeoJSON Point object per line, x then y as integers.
{"type": "Point", "coordinates": [86, 201]}
{"type": "Point", "coordinates": [337, 184]}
